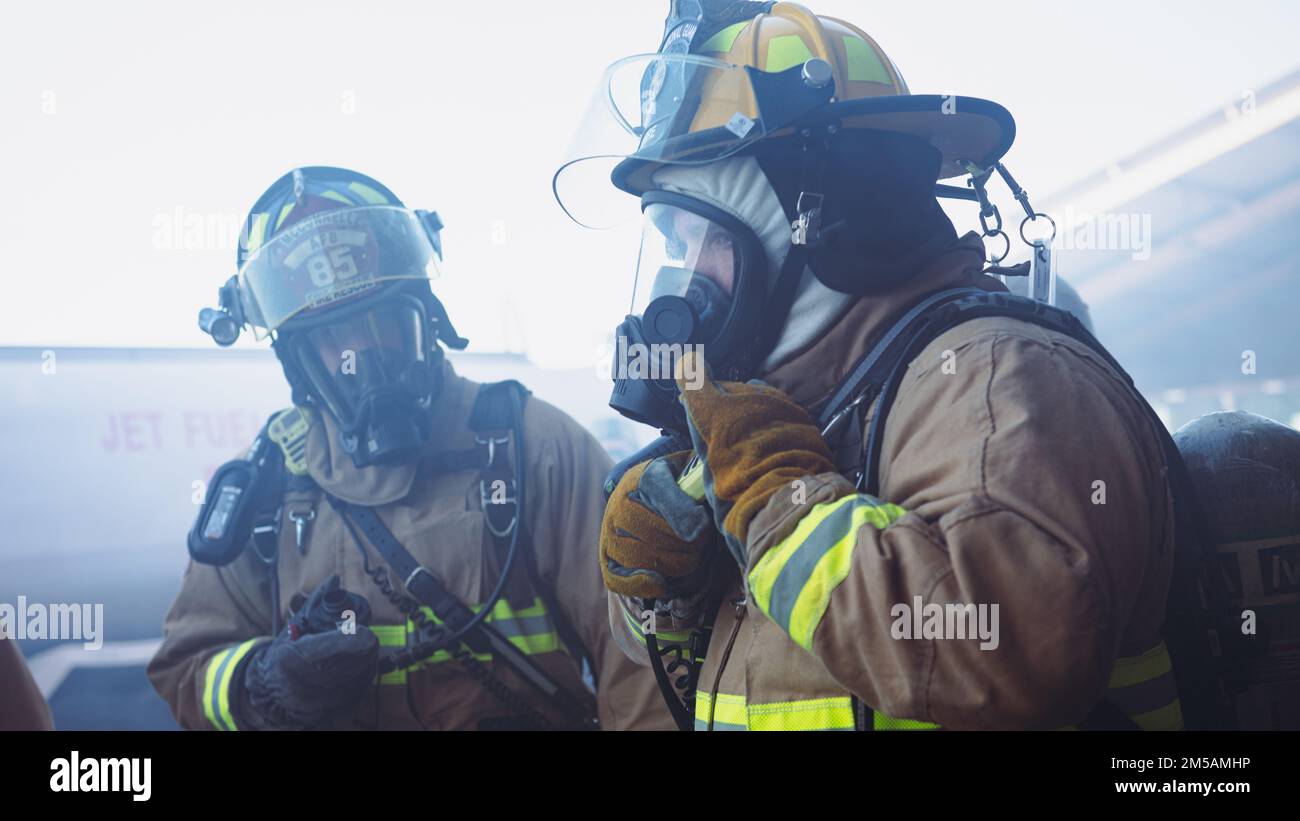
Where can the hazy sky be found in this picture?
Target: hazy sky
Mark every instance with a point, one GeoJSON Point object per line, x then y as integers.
{"type": "Point", "coordinates": [124, 124]}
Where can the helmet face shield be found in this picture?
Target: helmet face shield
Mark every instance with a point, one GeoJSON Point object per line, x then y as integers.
{"type": "Point", "coordinates": [675, 109]}
{"type": "Point", "coordinates": [329, 257]}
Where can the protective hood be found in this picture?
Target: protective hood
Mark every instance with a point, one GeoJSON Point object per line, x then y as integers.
{"type": "Point", "coordinates": [738, 186]}
{"type": "Point", "coordinates": [334, 470]}
{"type": "Point", "coordinates": [811, 373]}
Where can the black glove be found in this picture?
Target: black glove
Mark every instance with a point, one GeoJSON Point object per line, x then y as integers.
{"type": "Point", "coordinates": [319, 666]}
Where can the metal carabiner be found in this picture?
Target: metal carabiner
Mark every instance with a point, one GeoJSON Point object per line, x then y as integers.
{"type": "Point", "coordinates": [300, 521]}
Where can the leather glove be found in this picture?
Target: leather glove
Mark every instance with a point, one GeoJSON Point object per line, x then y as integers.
{"type": "Point", "coordinates": [754, 442]}
{"type": "Point", "coordinates": [313, 670]}
{"type": "Point", "coordinates": [656, 542]}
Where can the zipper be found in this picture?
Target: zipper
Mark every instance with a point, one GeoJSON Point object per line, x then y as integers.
{"type": "Point", "coordinates": [740, 605]}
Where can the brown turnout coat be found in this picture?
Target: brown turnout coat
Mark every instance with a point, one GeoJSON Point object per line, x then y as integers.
{"type": "Point", "coordinates": [438, 519]}
{"type": "Point", "coordinates": [1028, 477]}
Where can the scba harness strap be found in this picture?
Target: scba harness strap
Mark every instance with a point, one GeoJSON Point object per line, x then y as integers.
{"type": "Point", "coordinates": [1195, 629]}
{"type": "Point", "coordinates": [243, 507]}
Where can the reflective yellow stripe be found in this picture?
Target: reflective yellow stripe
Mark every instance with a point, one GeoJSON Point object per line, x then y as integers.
{"type": "Point", "coordinates": [814, 714]}
{"type": "Point", "coordinates": [786, 51]}
{"type": "Point", "coordinates": [1128, 672]}
{"type": "Point", "coordinates": [502, 610]}
{"type": "Point", "coordinates": [284, 212]}
{"type": "Point", "coordinates": [793, 581]}
{"type": "Point", "coordinates": [864, 64]}
{"type": "Point", "coordinates": [224, 684]}
{"type": "Point", "coordinates": [880, 721]}
{"type": "Point", "coordinates": [1136, 669]}
{"type": "Point", "coordinates": [528, 629]}
{"type": "Point", "coordinates": [368, 194]}
{"type": "Point", "coordinates": [334, 195]}
{"type": "Point", "coordinates": [732, 713]}
{"type": "Point", "coordinates": [395, 677]}
{"type": "Point", "coordinates": [664, 636]}
{"type": "Point", "coordinates": [209, 687]}
{"type": "Point", "coordinates": [390, 635]}
{"type": "Point", "coordinates": [768, 569]}
{"type": "Point", "coordinates": [1168, 717]}
{"type": "Point", "coordinates": [692, 481]}
{"type": "Point", "coordinates": [257, 231]}
{"type": "Point", "coordinates": [217, 679]}
{"type": "Point", "coordinates": [723, 40]}
{"type": "Point", "coordinates": [729, 714]}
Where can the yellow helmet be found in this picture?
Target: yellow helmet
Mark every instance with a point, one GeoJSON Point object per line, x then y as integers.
{"type": "Point", "coordinates": [716, 87]}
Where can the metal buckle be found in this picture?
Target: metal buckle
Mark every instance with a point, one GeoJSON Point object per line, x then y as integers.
{"type": "Point", "coordinates": [417, 571]}
{"type": "Point", "coordinates": [300, 521]}
{"type": "Point", "coordinates": [272, 527]}
{"type": "Point", "coordinates": [832, 427]}
{"type": "Point", "coordinates": [491, 442]}
{"type": "Point", "coordinates": [807, 228]}
{"type": "Point", "coordinates": [485, 499]}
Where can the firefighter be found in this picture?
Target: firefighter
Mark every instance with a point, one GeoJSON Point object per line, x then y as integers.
{"type": "Point", "coordinates": [786, 178]}
{"type": "Point", "coordinates": [403, 548]}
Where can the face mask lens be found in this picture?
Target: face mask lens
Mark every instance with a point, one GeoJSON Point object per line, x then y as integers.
{"type": "Point", "coordinates": [368, 351]}
{"type": "Point", "coordinates": [704, 248]}
{"type": "Point", "coordinates": [684, 254]}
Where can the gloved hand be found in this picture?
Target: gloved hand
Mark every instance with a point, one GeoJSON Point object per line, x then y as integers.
{"type": "Point", "coordinates": [754, 442]}
{"type": "Point", "coordinates": [655, 541]}
{"type": "Point", "coordinates": [313, 670]}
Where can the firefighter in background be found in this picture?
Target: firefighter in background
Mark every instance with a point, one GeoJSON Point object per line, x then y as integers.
{"type": "Point", "coordinates": [786, 178]}
{"type": "Point", "coordinates": [356, 590]}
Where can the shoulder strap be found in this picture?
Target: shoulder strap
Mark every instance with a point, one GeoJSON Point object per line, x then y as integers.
{"type": "Point", "coordinates": [943, 316]}
{"type": "Point", "coordinates": [267, 506]}
{"type": "Point", "coordinates": [1191, 630]}
{"type": "Point", "coordinates": [459, 621]}
{"type": "Point", "coordinates": [493, 420]}
{"type": "Point", "coordinates": [879, 361]}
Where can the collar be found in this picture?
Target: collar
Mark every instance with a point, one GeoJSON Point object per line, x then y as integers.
{"type": "Point", "coordinates": [810, 375]}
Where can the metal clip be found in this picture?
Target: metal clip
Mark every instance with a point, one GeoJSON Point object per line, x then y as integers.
{"type": "Point", "coordinates": [419, 568]}
{"type": "Point", "coordinates": [807, 228]}
{"type": "Point", "coordinates": [1043, 281]}
{"type": "Point", "coordinates": [300, 521]}
{"type": "Point", "coordinates": [485, 499]}
{"type": "Point", "coordinates": [833, 426]}
{"type": "Point", "coordinates": [491, 442]}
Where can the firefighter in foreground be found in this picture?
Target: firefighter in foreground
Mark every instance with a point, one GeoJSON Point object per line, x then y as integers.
{"type": "Point", "coordinates": [787, 182]}
{"type": "Point", "coordinates": [403, 548]}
